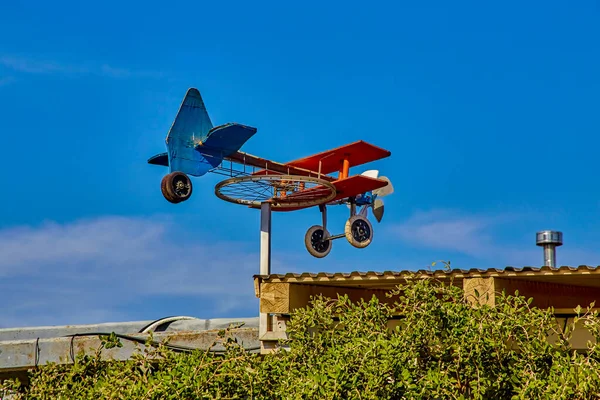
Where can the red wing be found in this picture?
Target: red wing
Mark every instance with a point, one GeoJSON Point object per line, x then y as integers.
{"type": "Point", "coordinates": [355, 185]}
{"type": "Point", "coordinates": [357, 153]}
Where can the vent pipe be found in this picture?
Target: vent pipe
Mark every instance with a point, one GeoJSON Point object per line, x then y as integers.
{"type": "Point", "coordinates": [549, 240]}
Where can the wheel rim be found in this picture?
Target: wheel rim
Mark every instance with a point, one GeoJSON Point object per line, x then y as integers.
{"type": "Point", "coordinates": [181, 186]}
{"type": "Point", "coordinates": [284, 192]}
{"type": "Point", "coordinates": [317, 242]}
{"type": "Point", "coordinates": [361, 231]}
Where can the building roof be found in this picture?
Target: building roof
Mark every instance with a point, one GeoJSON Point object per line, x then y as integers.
{"type": "Point", "coordinates": [582, 275]}
{"type": "Point", "coordinates": [27, 347]}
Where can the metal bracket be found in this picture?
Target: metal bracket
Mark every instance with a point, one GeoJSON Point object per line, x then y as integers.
{"type": "Point", "coordinates": [363, 210]}
{"type": "Point", "coordinates": [352, 202]}
{"type": "Point", "coordinates": [323, 209]}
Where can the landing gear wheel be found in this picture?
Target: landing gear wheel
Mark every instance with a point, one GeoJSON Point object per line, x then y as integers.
{"type": "Point", "coordinates": [359, 231]}
{"type": "Point", "coordinates": [176, 187]}
{"type": "Point", "coordinates": [313, 240]}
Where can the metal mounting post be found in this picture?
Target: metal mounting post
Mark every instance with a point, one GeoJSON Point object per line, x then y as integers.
{"type": "Point", "coordinates": [265, 238]}
{"type": "Point", "coordinates": [265, 321]}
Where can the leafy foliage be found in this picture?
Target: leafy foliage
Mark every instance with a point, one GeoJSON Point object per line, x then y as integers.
{"type": "Point", "coordinates": [428, 343]}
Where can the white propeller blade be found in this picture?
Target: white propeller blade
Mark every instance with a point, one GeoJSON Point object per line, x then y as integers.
{"type": "Point", "coordinates": [372, 173]}
{"type": "Point", "coordinates": [386, 190]}
{"type": "Point", "coordinates": [378, 209]}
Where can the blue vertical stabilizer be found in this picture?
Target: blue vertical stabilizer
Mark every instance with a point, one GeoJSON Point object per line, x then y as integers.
{"type": "Point", "coordinates": [194, 147]}
{"type": "Point", "coordinates": [190, 127]}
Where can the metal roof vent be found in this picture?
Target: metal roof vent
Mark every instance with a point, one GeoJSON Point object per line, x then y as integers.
{"type": "Point", "coordinates": [549, 240]}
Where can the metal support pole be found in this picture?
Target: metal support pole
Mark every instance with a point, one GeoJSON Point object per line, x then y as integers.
{"type": "Point", "coordinates": [265, 238]}
{"type": "Point", "coordinates": [264, 322]}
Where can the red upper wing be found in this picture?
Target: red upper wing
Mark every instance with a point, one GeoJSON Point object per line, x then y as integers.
{"type": "Point", "coordinates": [357, 153]}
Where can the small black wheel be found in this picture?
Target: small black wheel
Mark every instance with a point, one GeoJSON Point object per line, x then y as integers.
{"type": "Point", "coordinates": [313, 240]}
{"type": "Point", "coordinates": [166, 193]}
{"type": "Point", "coordinates": [176, 187]}
{"type": "Point", "coordinates": [359, 231]}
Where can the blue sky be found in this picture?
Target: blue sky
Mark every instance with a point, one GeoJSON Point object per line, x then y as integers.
{"type": "Point", "coordinates": [490, 111]}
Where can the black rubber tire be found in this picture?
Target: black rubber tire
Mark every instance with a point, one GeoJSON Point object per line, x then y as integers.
{"type": "Point", "coordinates": [173, 193]}
{"type": "Point", "coordinates": [359, 231]}
{"type": "Point", "coordinates": [316, 232]}
{"type": "Point", "coordinates": [166, 194]}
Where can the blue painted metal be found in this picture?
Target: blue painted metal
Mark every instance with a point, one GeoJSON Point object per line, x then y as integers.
{"type": "Point", "coordinates": [186, 159]}
{"type": "Point", "coordinates": [159, 159]}
{"type": "Point", "coordinates": [194, 147]}
{"type": "Point", "coordinates": [190, 127]}
{"type": "Point", "coordinates": [365, 198]}
{"type": "Point", "coordinates": [224, 140]}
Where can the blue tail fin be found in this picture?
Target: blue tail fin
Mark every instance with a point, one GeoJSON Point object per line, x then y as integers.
{"type": "Point", "coordinates": [190, 127]}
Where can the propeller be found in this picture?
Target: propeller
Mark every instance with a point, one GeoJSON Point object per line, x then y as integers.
{"type": "Point", "coordinates": [377, 205]}
{"type": "Point", "coordinates": [386, 190]}
{"type": "Point", "coordinates": [372, 173]}
{"type": "Point", "coordinates": [378, 209]}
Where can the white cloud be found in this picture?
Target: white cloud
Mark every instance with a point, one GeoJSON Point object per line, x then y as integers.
{"type": "Point", "coordinates": [447, 230]}
{"type": "Point", "coordinates": [82, 271]}
{"type": "Point", "coordinates": [487, 240]}
{"type": "Point", "coordinates": [115, 72]}
{"type": "Point", "coordinates": [31, 66]}
{"type": "Point", "coordinates": [36, 66]}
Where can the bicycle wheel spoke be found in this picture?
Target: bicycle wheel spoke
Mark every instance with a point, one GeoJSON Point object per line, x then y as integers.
{"type": "Point", "coordinates": [283, 191]}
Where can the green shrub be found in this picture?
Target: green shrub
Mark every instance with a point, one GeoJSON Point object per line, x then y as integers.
{"type": "Point", "coordinates": [441, 348]}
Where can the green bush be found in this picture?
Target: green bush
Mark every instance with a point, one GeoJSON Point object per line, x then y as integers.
{"type": "Point", "coordinates": [442, 348]}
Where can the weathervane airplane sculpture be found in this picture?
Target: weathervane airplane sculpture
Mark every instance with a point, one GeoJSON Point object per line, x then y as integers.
{"type": "Point", "coordinates": [195, 147]}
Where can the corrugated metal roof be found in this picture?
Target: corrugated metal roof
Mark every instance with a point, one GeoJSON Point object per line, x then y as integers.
{"type": "Point", "coordinates": [168, 324]}
{"type": "Point", "coordinates": [23, 348]}
{"type": "Point", "coordinates": [439, 273]}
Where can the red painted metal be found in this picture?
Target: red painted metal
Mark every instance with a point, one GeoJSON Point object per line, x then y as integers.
{"type": "Point", "coordinates": [356, 153]}
{"type": "Point", "coordinates": [348, 187]}
{"type": "Point", "coordinates": [355, 185]}
{"type": "Point", "coordinates": [319, 165]}
{"type": "Point", "coordinates": [272, 167]}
